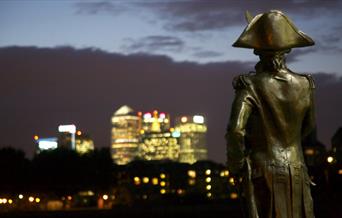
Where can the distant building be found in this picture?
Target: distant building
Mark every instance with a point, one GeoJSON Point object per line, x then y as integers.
{"type": "Point", "coordinates": [84, 143]}
{"type": "Point", "coordinates": [192, 139]}
{"type": "Point", "coordinates": [66, 136]}
{"type": "Point", "coordinates": [125, 135]}
{"type": "Point", "coordinates": [44, 144]}
{"type": "Point", "coordinates": [158, 140]}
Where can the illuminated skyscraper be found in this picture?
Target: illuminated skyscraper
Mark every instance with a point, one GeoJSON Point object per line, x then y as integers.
{"type": "Point", "coordinates": [84, 143]}
{"type": "Point", "coordinates": [44, 144]}
{"type": "Point", "coordinates": [125, 135]}
{"type": "Point", "coordinates": [158, 140]}
{"type": "Point", "coordinates": [192, 139]}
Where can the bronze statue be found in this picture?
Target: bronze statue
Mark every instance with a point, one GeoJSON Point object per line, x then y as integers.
{"type": "Point", "coordinates": [272, 111]}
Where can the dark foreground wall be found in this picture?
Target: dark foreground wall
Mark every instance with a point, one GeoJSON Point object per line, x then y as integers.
{"type": "Point", "coordinates": [193, 211]}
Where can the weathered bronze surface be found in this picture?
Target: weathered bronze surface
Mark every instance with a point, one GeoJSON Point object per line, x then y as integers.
{"type": "Point", "coordinates": [272, 111]}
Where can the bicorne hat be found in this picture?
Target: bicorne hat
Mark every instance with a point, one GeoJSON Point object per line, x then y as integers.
{"type": "Point", "coordinates": [272, 31]}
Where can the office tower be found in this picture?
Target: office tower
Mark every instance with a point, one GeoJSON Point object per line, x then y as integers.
{"type": "Point", "coordinates": [84, 143]}
{"type": "Point", "coordinates": [158, 140]}
{"type": "Point", "coordinates": [125, 135]}
{"type": "Point", "coordinates": [66, 136]}
{"type": "Point", "coordinates": [192, 139]}
{"type": "Point", "coordinates": [44, 144]}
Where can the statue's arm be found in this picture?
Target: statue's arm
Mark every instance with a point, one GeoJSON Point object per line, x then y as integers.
{"type": "Point", "coordinates": [240, 112]}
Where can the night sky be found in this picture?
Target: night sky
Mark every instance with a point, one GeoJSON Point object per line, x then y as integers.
{"type": "Point", "coordinates": [65, 62]}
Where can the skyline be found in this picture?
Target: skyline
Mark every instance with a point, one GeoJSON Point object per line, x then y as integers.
{"type": "Point", "coordinates": [78, 62]}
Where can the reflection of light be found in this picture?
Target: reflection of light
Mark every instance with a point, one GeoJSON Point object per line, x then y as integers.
{"type": "Point", "coordinates": [184, 119]}
{"type": "Point", "coordinates": [162, 191]}
{"type": "Point", "coordinates": [208, 179]}
{"type": "Point", "coordinates": [31, 199]}
{"type": "Point", "coordinates": [37, 200]}
{"type": "Point", "coordinates": [192, 173]}
{"type": "Point", "coordinates": [162, 175]}
{"type": "Point", "coordinates": [233, 195]}
{"type": "Point", "coordinates": [146, 179]}
{"type": "Point", "coordinates": [330, 159]}
{"type": "Point", "coordinates": [208, 187]}
{"type": "Point", "coordinates": [208, 172]}
{"type": "Point", "coordinates": [20, 196]}
{"type": "Point", "coordinates": [105, 197]}
{"type": "Point", "coordinates": [198, 119]}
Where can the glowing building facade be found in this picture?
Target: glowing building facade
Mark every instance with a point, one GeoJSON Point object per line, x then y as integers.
{"type": "Point", "coordinates": [84, 143]}
{"type": "Point", "coordinates": [192, 138]}
{"type": "Point", "coordinates": [125, 135]}
{"type": "Point", "coordinates": [158, 140]}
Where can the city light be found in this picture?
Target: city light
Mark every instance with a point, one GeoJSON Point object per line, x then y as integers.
{"type": "Point", "coordinates": [208, 172]}
{"type": "Point", "coordinates": [162, 176]}
{"type": "Point", "coordinates": [208, 179]}
{"type": "Point", "coordinates": [37, 200]}
{"type": "Point", "coordinates": [31, 199]}
{"type": "Point", "coordinates": [162, 115]}
{"type": "Point", "coordinates": [105, 197]}
{"type": "Point", "coordinates": [36, 137]}
{"type": "Point", "coordinates": [209, 195]}
{"type": "Point", "coordinates": [4, 200]}
{"type": "Point", "coordinates": [155, 181]}
{"type": "Point", "coordinates": [233, 195]}
{"type": "Point", "coordinates": [78, 133]}
{"type": "Point", "coordinates": [67, 128]}
{"type": "Point", "coordinates": [232, 181]}
{"type": "Point", "coordinates": [208, 187]}
{"type": "Point", "coordinates": [192, 173]}
{"type": "Point", "coordinates": [136, 180]}
{"type": "Point", "coordinates": [340, 172]}
{"type": "Point", "coordinates": [147, 115]}
{"type": "Point", "coordinates": [198, 119]}
{"type": "Point", "coordinates": [192, 182]}
{"type": "Point", "coordinates": [184, 119]}
{"type": "Point", "coordinates": [146, 180]}
{"type": "Point", "coordinates": [330, 159]}
{"type": "Point", "coordinates": [180, 191]}
{"type": "Point", "coordinates": [10, 201]}
{"type": "Point", "coordinates": [47, 144]}
{"type": "Point", "coordinates": [20, 196]}
{"type": "Point", "coordinates": [162, 191]}
{"type": "Point", "coordinates": [162, 183]}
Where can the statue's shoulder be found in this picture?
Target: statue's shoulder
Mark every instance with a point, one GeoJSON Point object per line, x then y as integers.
{"type": "Point", "coordinates": [307, 78]}
{"type": "Point", "coordinates": [243, 80]}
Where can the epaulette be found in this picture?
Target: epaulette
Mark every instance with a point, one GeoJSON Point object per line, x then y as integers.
{"type": "Point", "coordinates": [311, 80]}
{"type": "Point", "coordinates": [239, 82]}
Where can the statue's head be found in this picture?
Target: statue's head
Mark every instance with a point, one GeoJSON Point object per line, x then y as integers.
{"type": "Point", "coordinates": [272, 31]}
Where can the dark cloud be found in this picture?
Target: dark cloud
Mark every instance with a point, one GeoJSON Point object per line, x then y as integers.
{"type": "Point", "coordinates": [150, 44]}
{"type": "Point", "coordinates": [113, 8]}
{"type": "Point", "coordinates": [41, 88]}
{"type": "Point", "coordinates": [207, 54]}
{"type": "Point", "coordinates": [193, 15]}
